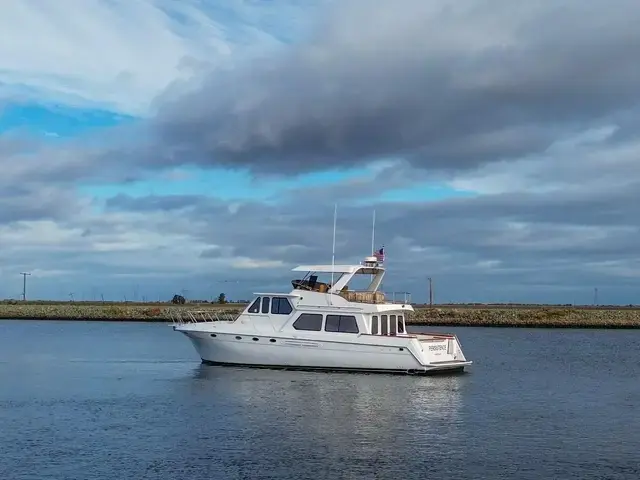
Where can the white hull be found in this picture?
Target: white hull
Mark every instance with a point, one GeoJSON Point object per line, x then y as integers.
{"type": "Point", "coordinates": [366, 353]}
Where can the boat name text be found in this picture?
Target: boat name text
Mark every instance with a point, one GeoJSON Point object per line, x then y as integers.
{"type": "Point", "coordinates": [435, 348]}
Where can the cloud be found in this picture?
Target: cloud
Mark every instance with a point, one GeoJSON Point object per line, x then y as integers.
{"type": "Point", "coordinates": [442, 85]}
{"type": "Point", "coordinates": [537, 229]}
{"type": "Point", "coordinates": [529, 110]}
{"type": "Point", "coordinates": [528, 246]}
{"type": "Point", "coordinates": [120, 54]}
{"type": "Point", "coordinates": [24, 201]}
{"type": "Point", "coordinates": [446, 85]}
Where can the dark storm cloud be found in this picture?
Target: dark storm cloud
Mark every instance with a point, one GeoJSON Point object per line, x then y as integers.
{"type": "Point", "coordinates": [444, 84]}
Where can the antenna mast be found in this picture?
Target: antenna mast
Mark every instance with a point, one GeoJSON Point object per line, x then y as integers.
{"type": "Point", "coordinates": [373, 238]}
{"type": "Point", "coordinates": [333, 253]}
{"type": "Point", "coordinates": [373, 233]}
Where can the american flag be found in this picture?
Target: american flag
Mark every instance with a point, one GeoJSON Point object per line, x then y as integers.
{"type": "Point", "coordinates": [379, 255]}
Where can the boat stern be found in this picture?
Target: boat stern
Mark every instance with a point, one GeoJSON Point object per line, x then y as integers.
{"type": "Point", "coordinates": [441, 352]}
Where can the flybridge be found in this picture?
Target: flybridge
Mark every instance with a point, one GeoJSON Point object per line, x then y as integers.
{"type": "Point", "coordinates": [370, 265]}
{"type": "Point", "coordinates": [310, 281]}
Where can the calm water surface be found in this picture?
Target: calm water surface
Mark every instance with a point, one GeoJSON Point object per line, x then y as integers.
{"type": "Point", "coordinates": [132, 401]}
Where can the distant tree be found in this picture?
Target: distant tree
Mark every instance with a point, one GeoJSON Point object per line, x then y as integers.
{"type": "Point", "coordinates": [222, 298]}
{"type": "Point", "coordinates": [178, 300]}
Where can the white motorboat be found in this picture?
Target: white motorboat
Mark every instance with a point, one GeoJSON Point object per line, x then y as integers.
{"type": "Point", "coordinates": [326, 326]}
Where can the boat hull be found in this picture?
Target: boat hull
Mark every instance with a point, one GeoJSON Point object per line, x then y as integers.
{"type": "Point", "coordinates": [421, 371]}
{"type": "Point", "coordinates": [251, 350]}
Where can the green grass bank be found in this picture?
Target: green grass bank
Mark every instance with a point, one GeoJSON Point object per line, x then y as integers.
{"type": "Point", "coordinates": [494, 316]}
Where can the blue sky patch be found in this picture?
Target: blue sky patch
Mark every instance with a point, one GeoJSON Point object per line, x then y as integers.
{"type": "Point", "coordinates": [221, 183]}
{"type": "Point", "coordinates": [233, 185]}
{"type": "Point", "coordinates": [56, 120]}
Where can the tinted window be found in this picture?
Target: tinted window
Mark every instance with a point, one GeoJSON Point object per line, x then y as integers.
{"type": "Point", "coordinates": [309, 321]}
{"type": "Point", "coordinates": [341, 323]}
{"type": "Point", "coordinates": [384, 328]}
{"type": "Point", "coordinates": [392, 324]}
{"type": "Point", "coordinates": [332, 324]}
{"type": "Point", "coordinates": [281, 306]}
{"type": "Point", "coordinates": [400, 324]}
{"type": "Point", "coordinates": [265, 304]}
{"type": "Point", "coordinates": [348, 324]}
{"type": "Point", "coordinates": [255, 306]}
{"type": "Point", "coordinates": [374, 325]}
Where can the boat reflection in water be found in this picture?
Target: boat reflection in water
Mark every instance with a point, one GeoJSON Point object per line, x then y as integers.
{"type": "Point", "coordinates": [363, 416]}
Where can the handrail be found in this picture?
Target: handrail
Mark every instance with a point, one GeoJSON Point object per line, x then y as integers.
{"type": "Point", "coordinates": [346, 308]}
{"type": "Point", "coordinates": [399, 297]}
{"type": "Point", "coordinates": [200, 316]}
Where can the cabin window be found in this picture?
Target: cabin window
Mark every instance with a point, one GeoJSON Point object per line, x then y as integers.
{"type": "Point", "coordinates": [384, 325]}
{"type": "Point", "coordinates": [374, 325]}
{"type": "Point", "coordinates": [392, 325]}
{"type": "Point", "coordinates": [255, 306]}
{"type": "Point", "coordinates": [400, 324]}
{"type": "Point", "coordinates": [309, 321]}
{"type": "Point", "coordinates": [281, 306]}
{"type": "Point", "coordinates": [265, 304]}
{"type": "Point", "coordinates": [341, 323]}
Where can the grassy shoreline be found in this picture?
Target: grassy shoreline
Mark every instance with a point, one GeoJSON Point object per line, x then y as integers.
{"type": "Point", "coordinates": [545, 316]}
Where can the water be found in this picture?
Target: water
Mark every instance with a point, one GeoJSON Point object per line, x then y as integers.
{"type": "Point", "coordinates": [131, 401]}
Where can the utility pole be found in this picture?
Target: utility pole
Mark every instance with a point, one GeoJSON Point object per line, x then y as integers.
{"type": "Point", "coordinates": [595, 296]}
{"type": "Point", "coordinates": [430, 293]}
{"type": "Point", "coordinates": [24, 285]}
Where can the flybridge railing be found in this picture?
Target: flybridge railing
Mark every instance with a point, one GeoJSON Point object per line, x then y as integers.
{"type": "Point", "coordinates": [360, 296]}
{"type": "Point", "coordinates": [398, 297]}
{"type": "Point", "coordinates": [200, 316]}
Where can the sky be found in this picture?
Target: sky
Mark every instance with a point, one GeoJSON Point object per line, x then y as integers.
{"type": "Point", "coordinates": [154, 147]}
